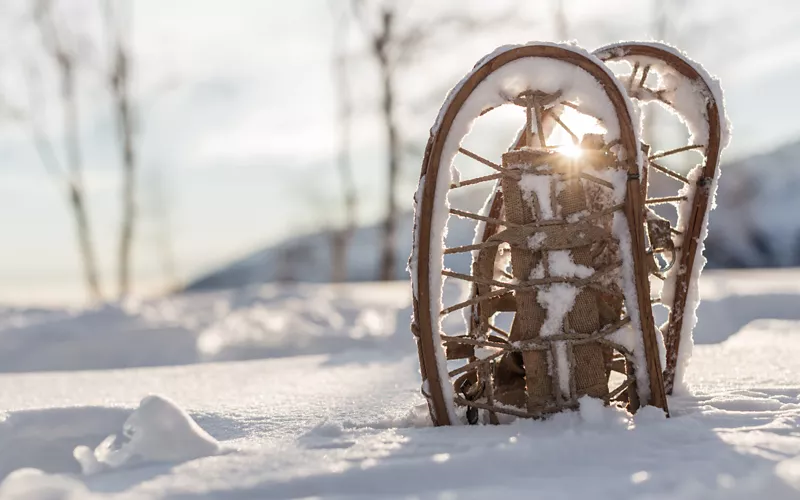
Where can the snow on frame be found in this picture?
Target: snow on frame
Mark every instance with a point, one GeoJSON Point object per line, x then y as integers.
{"type": "Point", "coordinates": [413, 261]}
{"type": "Point", "coordinates": [528, 73]}
{"type": "Point", "coordinates": [693, 296]}
{"type": "Point", "coordinates": [689, 99]}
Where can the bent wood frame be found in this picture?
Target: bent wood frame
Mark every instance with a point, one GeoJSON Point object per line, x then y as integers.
{"type": "Point", "coordinates": [699, 203]}
{"type": "Point", "coordinates": [425, 325]}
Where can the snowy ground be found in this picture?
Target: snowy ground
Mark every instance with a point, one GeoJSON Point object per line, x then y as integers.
{"type": "Point", "coordinates": [331, 413]}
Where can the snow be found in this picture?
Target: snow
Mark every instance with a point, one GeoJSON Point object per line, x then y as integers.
{"type": "Point", "coordinates": [246, 323]}
{"type": "Point", "coordinates": [157, 431]}
{"type": "Point", "coordinates": [561, 264]}
{"type": "Point", "coordinates": [557, 299]}
{"type": "Point", "coordinates": [538, 187]}
{"type": "Point", "coordinates": [350, 422]}
{"type": "Point", "coordinates": [632, 334]}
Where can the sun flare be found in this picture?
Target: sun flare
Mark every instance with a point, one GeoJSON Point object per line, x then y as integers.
{"type": "Point", "coordinates": [571, 150]}
{"type": "Point", "coordinates": [579, 124]}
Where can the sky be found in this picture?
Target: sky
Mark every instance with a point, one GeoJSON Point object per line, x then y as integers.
{"type": "Point", "coordinates": [237, 131]}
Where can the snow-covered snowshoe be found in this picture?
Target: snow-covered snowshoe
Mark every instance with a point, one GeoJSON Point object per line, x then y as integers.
{"type": "Point", "coordinates": [659, 73]}
{"type": "Point", "coordinates": [559, 306]}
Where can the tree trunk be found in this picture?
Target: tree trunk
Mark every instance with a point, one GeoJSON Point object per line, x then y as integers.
{"type": "Point", "coordinates": [341, 238]}
{"type": "Point", "coordinates": [125, 125]}
{"type": "Point", "coordinates": [562, 27]}
{"type": "Point", "coordinates": [388, 256]}
{"type": "Point", "coordinates": [651, 125]}
{"type": "Point", "coordinates": [76, 190]}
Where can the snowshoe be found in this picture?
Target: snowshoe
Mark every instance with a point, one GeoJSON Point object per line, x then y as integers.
{"type": "Point", "coordinates": [560, 304]}
{"type": "Point", "coordinates": [659, 73]}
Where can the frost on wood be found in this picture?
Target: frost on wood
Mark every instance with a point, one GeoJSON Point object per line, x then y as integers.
{"type": "Point", "coordinates": [413, 260]}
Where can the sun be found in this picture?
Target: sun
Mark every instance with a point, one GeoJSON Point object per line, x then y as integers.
{"type": "Point", "coordinates": [571, 150]}
{"type": "Point", "coordinates": [579, 124]}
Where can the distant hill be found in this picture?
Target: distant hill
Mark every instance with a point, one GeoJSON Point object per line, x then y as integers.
{"type": "Point", "coordinates": [756, 224]}
{"type": "Point", "coordinates": [308, 258]}
{"type": "Point", "coordinates": [757, 220]}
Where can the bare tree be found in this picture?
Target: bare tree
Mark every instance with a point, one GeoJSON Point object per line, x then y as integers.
{"type": "Point", "coordinates": [63, 51]}
{"type": "Point", "coordinates": [660, 20]}
{"type": "Point", "coordinates": [117, 23]}
{"type": "Point", "coordinates": [665, 25]}
{"type": "Point", "coordinates": [394, 40]}
{"type": "Point", "coordinates": [384, 41]}
{"type": "Point", "coordinates": [560, 21]}
{"type": "Point", "coordinates": [341, 237]}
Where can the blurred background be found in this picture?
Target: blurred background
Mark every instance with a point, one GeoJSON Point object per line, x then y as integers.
{"type": "Point", "coordinates": [150, 147]}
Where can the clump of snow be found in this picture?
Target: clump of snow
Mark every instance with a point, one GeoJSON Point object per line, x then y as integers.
{"type": "Point", "coordinates": [649, 414]}
{"type": "Point", "coordinates": [158, 431]}
{"type": "Point", "coordinates": [557, 299]}
{"type": "Point", "coordinates": [537, 272]}
{"type": "Point", "coordinates": [595, 414]}
{"type": "Point", "coordinates": [561, 264]}
{"type": "Point", "coordinates": [591, 409]}
{"type": "Point", "coordinates": [538, 187]}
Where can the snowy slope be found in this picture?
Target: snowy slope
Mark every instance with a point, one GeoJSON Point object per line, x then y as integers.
{"type": "Point", "coordinates": [342, 423]}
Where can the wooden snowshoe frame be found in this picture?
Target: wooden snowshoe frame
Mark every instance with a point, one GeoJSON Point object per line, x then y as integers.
{"type": "Point", "coordinates": [471, 385]}
{"type": "Point", "coordinates": [686, 239]}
